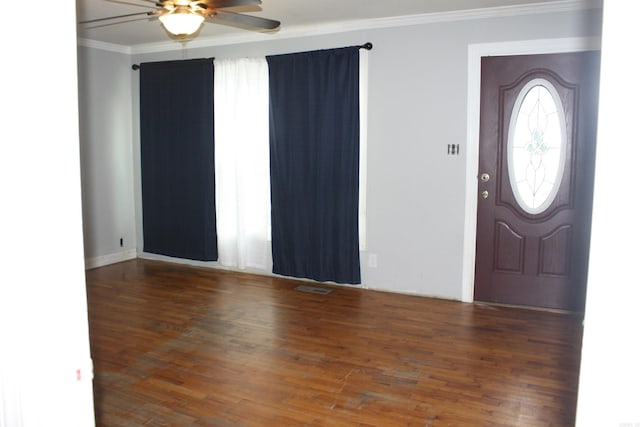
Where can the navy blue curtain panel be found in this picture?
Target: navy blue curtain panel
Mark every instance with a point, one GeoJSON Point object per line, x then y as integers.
{"type": "Point", "coordinates": [176, 127]}
{"type": "Point", "coordinates": [314, 155]}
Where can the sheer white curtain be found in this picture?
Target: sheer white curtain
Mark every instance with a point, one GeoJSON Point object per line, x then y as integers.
{"type": "Point", "coordinates": [243, 200]}
{"type": "Point", "coordinates": [364, 113]}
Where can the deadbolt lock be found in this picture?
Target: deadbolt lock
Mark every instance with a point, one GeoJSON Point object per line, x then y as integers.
{"type": "Point", "coordinates": [485, 177]}
{"type": "Point", "coordinates": [484, 194]}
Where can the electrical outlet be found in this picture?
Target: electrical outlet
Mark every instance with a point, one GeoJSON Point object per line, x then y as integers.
{"type": "Point", "coordinates": [373, 260]}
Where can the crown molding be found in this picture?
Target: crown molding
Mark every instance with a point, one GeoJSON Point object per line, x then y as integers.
{"type": "Point", "coordinates": [356, 25]}
{"type": "Point", "coordinates": [118, 48]}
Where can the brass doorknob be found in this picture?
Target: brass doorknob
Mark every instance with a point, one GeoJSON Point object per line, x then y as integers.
{"type": "Point", "coordinates": [484, 194]}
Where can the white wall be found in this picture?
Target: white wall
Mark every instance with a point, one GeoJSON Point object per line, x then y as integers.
{"type": "Point", "coordinates": [417, 105]}
{"type": "Point", "coordinates": [44, 334]}
{"type": "Point", "coordinates": [107, 156]}
{"type": "Point", "coordinates": [609, 393]}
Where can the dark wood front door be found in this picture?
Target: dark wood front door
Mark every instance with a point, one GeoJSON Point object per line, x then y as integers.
{"type": "Point", "coordinates": [538, 121]}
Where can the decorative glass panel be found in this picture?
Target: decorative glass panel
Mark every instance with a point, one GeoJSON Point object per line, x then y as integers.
{"type": "Point", "coordinates": [536, 147]}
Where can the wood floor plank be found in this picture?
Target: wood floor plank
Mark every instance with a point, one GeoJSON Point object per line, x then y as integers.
{"type": "Point", "coordinates": [175, 345]}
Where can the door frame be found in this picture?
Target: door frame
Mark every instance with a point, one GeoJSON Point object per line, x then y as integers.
{"type": "Point", "coordinates": [475, 53]}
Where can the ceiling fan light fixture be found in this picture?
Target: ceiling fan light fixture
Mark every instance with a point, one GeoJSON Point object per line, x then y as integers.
{"type": "Point", "coordinates": [181, 22]}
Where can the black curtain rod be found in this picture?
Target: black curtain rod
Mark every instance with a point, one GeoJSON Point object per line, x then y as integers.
{"type": "Point", "coordinates": [367, 46]}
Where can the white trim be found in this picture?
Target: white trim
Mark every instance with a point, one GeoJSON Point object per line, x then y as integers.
{"type": "Point", "coordinates": [103, 260]}
{"type": "Point", "coordinates": [354, 25]}
{"type": "Point", "coordinates": [215, 265]}
{"type": "Point", "coordinates": [118, 48]}
{"type": "Point", "coordinates": [475, 53]}
{"type": "Point", "coordinates": [409, 293]}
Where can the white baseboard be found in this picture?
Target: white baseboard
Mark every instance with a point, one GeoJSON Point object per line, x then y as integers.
{"type": "Point", "coordinates": [99, 261]}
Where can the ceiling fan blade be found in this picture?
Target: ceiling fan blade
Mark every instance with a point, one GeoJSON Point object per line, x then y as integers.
{"type": "Point", "coordinates": [133, 2]}
{"type": "Point", "coordinates": [104, 24]}
{"type": "Point", "coordinates": [244, 20]}
{"type": "Point", "coordinates": [128, 15]}
{"type": "Point", "coordinates": [221, 4]}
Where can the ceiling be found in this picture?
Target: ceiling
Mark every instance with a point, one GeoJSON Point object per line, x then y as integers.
{"type": "Point", "coordinates": [294, 15]}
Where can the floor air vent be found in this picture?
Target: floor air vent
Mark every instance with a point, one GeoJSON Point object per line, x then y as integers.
{"type": "Point", "coordinates": [313, 290]}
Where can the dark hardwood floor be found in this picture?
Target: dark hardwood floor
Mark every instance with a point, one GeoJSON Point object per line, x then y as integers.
{"type": "Point", "coordinates": [183, 346]}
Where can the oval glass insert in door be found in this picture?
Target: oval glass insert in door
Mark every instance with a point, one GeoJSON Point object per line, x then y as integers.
{"type": "Point", "coordinates": [536, 146]}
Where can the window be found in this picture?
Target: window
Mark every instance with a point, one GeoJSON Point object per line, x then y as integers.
{"type": "Point", "coordinates": [536, 146]}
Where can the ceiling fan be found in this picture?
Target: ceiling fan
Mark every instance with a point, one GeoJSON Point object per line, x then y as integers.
{"type": "Point", "coordinates": [182, 18]}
